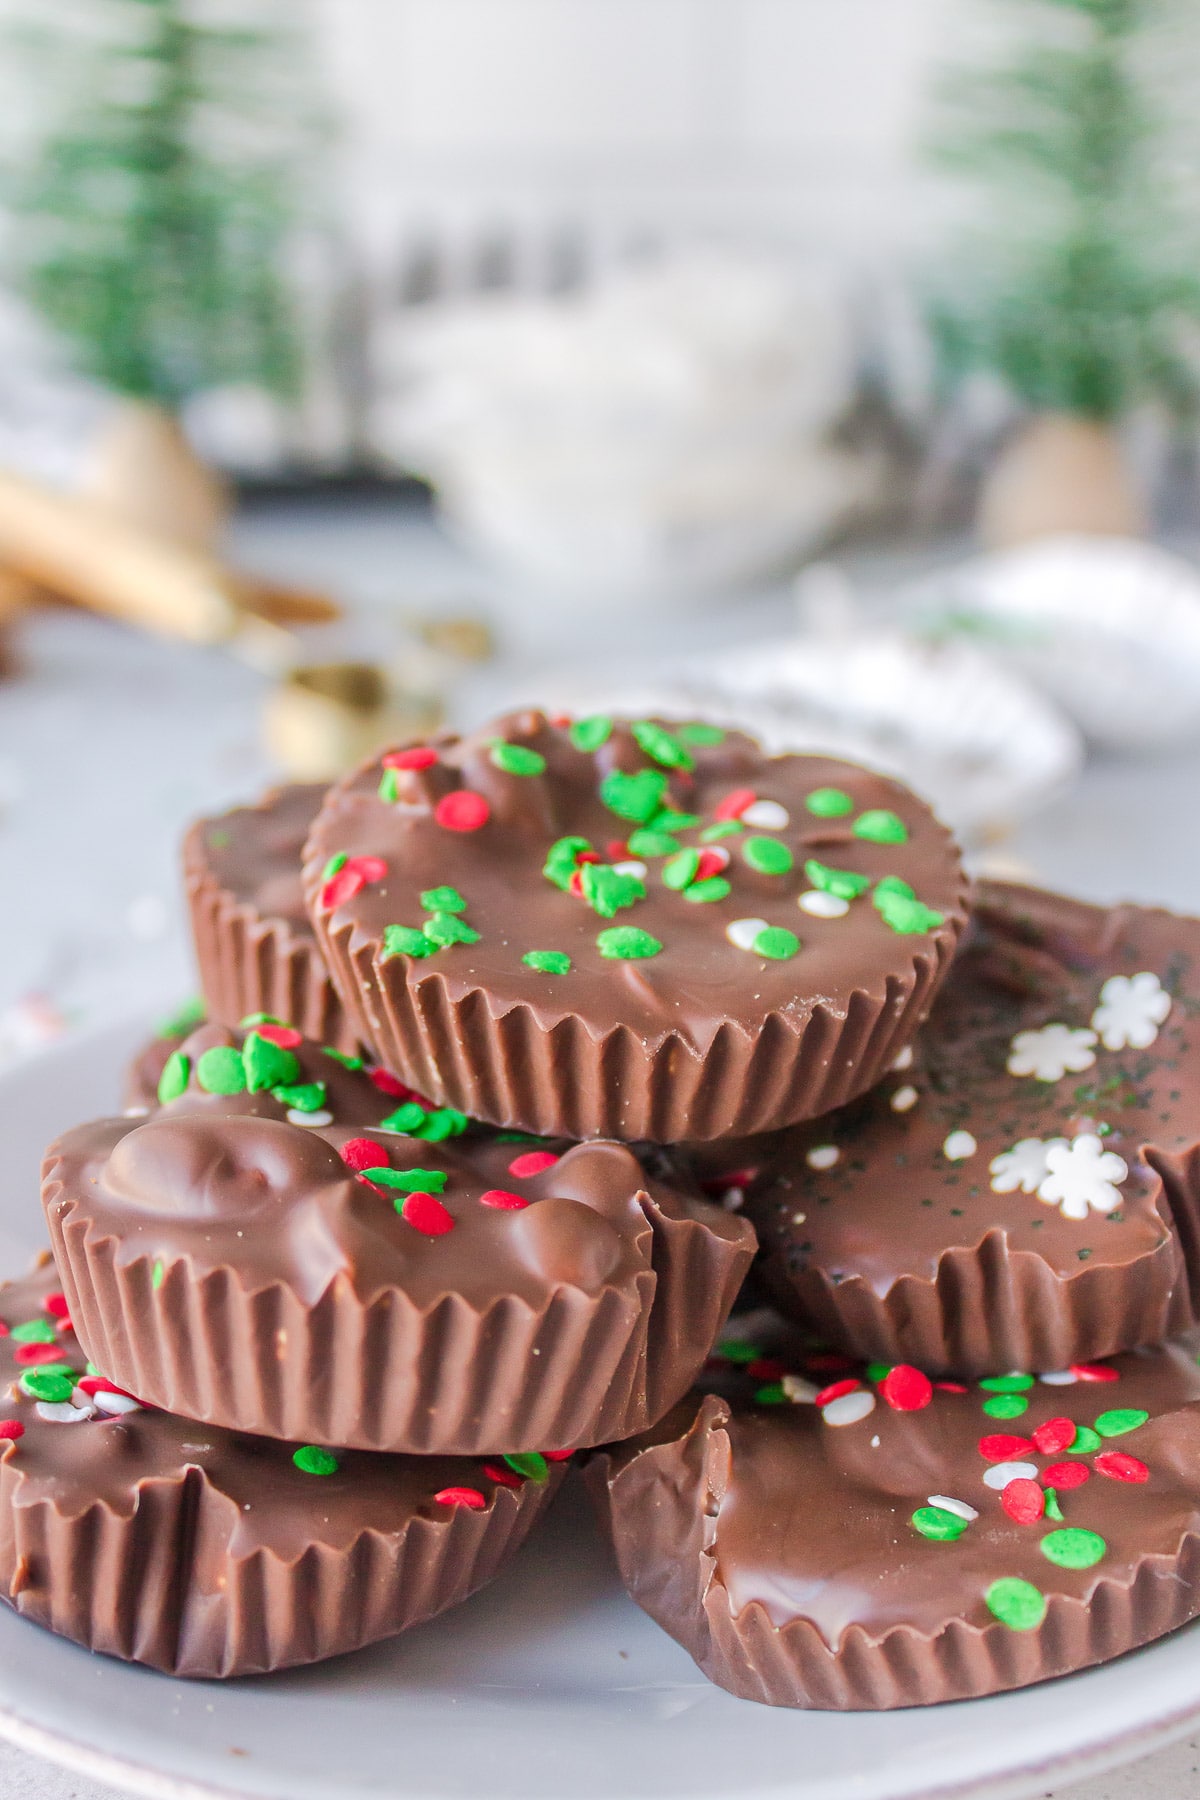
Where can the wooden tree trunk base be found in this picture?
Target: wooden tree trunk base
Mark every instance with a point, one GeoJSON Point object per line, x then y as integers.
{"type": "Point", "coordinates": [144, 471]}
{"type": "Point", "coordinates": [1060, 474]}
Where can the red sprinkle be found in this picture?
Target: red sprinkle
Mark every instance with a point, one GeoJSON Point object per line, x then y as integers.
{"type": "Point", "coordinates": [419, 757]}
{"type": "Point", "coordinates": [426, 1214]}
{"type": "Point", "coordinates": [711, 863]}
{"type": "Point", "coordinates": [735, 804]}
{"type": "Point", "coordinates": [767, 1368]}
{"type": "Point", "coordinates": [371, 868]}
{"type": "Point", "coordinates": [905, 1389]}
{"type": "Point", "coordinates": [286, 1036]}
{"type": "Point", "coordinates": [29, 1355]}
{"type": "Point", "coordinates": [1121, 1467]}
{"type": "Point", "coordinates": [532, 1162]}
{"type": "Point", "coordinates": [361, 1153]}
{"type": "Point", "coordinates": [949, 1387]}
{"type": "Point", "coordinates": [463, 810]}
{"type": "Point", "coordinates": [1055, 1435]}
{"type": "Point", "coordinates": [835, 1390]}
{"type": "Point", "coordinates": [341, 887]}
{"type": "Point", "coordinates": [1066, 1475]}
{"type": "Point", "coordinates": [558, 1455]}
{"type": "Point", "coordinates": [617, 850]}
{"type": "Point", "coordinates": [1023, 1501]}
{"type": "Point", "coordinates": [503, 1477]}
{"type": "Point", "coordinates": [56, 1306]}
{"type": "Point", "coordinates": [3, 1329]}
{"type": "Point", "coordinates": [1002, 1446]}
{"type": "Point", "coordinates": [503, 1200]}
{"type": "Point", "coordinates": [1094, 1372]}
{"type": "Point", "coordinates": [11, 1429]}
{"type": "Point", "coordinates": [463, 1496]}
{"type": "Point", "coordinates": [388, 1084]}
{"type": "Point", "coordinates": [100, 1384]}
{"type": "Point", "coordinates": [575, 885]}
{"type": "Point", "coordinates": [733, 1178]}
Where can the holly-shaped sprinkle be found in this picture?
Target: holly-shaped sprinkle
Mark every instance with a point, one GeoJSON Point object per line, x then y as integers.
{"type": "Point", "coordinates": [627, 943]}
{"type": "Point", "coordinates": [1073, 1548]}
{"type": "Point", "coordinates": [516, 759]}
{"type": "Point", "coordinates": [592, 733]}
{"type": "Point", "coordinates": [562, 860]}
{"type": "Point", "coordinates": [266, 1065]}
{"type": "Point", "coordinates": [880, 827]}
{"type": "Point", "coordinates": [636, 797]}
{"type": "Point", "coordinates": [829, 803]}
{"type": "Point", "coordinates": [174, 1078]}
{"type": "Point", "coordinates": [767, 856]}
{"type": "Point", "coordinates": [354, 1063]}
{"type": "Point", "coordinates": [900, 909]}
{"type": "Point", "coordinates": [446, 928]}
{"type": "Point", "coordinates": [302, 1096]}
{"type": "Point", "coordinates": [661, 746]}
{"type": "Point", "coordinates": [607, 891]}
{"type": "Point", "coordinates": [405, 940]}
{"type": "Point", "coordinates": [1016, 1603]}
{"type": "Point", "coordinates": [548, 962]}
{"type": "Point", "coordinates": [846, 884]}
{"type": "Point", "coordinates": [310, 1459]}
{"type": "Point", "coordinates": [221, 1070]}
{"type": "Point", "coordinates": [443, 900]}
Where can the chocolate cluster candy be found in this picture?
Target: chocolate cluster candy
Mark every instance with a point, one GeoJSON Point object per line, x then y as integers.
{"type": "Point", "coordinates": [874, 1539]}
{"type": "Point", "coordinates": [299, 1247]}
{"type": "Point", "coordinates": [209, 1553]}
{"type": "Point", "coordinates": [254, 945]}
{"type": "Point", "coordinates": [613, 927]}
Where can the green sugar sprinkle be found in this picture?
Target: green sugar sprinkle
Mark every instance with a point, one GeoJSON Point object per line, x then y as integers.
{"type": "Point", "coordinates": [517, 759]}
{"type": "Point", "coordinates": [562, 858]}
{"type": "Point", "coordinates": [776, 942]}
{"type": "Point", "coordinates": [389, 786]}
{"type": "Point", "coordinates": [607, 891]}
{"type": "Point", "coordinates": [661, 746]}
{"type": "Point", "coordinates": [1005, 1406]}
{"type": "Point", "coordinates": [174, 1078]}
{"type": "Point", "coordinates": [767, 855]}
{"type": "Point", "coordinates": [1120, 1420]}
{"type": "Point", "coordinates": [880, 827]}
{"type": "Point", "coordinates": [405, 940]}
{"type": "Point", "coordinates": [637, 797]}
{"type": "Point", "coordinates": [1073, 1548]}
{"type": "Point", "coordinates": [878, 1371]}
{"type": "Point", "coordinates": [443, 1122]}
{"type": "Point", "coordinates": [51, 1383]}
{"type": "Point", "coordinates": [156, 1274]}
{"type": "Point", "coordinates": [548, 962]}
{"type": "Point", "coordinates": [829, 803]}
{"type": "Point", "coordinates": [335, 865]}
{"type": "Point", "coordinates": [311, 1460]}
{"type": "Point", "coordinates": [443, 899]}
{"type": "Point", "coordinates": [221, 1070]}
{"type": "Point", "coordinates": [1006, 1384]}
{"type": "Point", "coordinates": [267, 1065]}
{"type": "Point", "coordinates": [715, 887]}
{"type": "Point", "coordinates": [530, 1464]}
{"type": "Point", "coordinates": [339, 1056]}
{"type": "Point", "coordinates": [591, 733]}
{"type": "Point", "coordinates": [935, 1522]}
{"type": "Point", "coordinates": [35, 1331]}
{"type": "Point", "coordinates": [301, 1096]}
{"type": "Point", "coordinates": [737, 1350]}
{"type": "Point", "coordinates": [409, 1181]}
{"type": "Point", "coordinates": [627, 943]}
{"type": "Point", "coordinates": [645, 842]}
{"type": "Point", "coordinates": [407, 1118]}
{"type": "Point", "coordinates": [260, 1018]}
{"type": "Point", "coordinates": [845, 883]}
{"type": "Point", "coordinates": [667, 819]}
{"type": "Point", "coordinates": [178, 1024]}
{"type": "Point", "coordinates": [680, 871]}
{"type": "Point", "coordinates": [903, 915]}
{"type": "Point", "coordinates": [723, 828]}
{"type": "Point", "coordinates": [444, 929]}
{"type": "Point", "coordinates": [1085, 1442]}
{"type": "Point", "coordinates": [771, 1394]}
{"type": "Point", "coordinates": [1016, 1603]}
{"type": "Point", "coordinates": [1053, 1509]}
{"type": "Point", "coordinates": [893, 884]}
{"type": "Point", "coordinates": [697, 732]}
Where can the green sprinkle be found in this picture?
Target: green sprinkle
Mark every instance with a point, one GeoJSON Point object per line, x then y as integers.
{"type": "Point", "coordinates": [714, 888]}
{"type": "Point", "coordinates": [680, 871]}
{"type": "Point", "coordinates": [301, 1096]}
{"type": "Point", "coordinates": [252, 1019]}
{"type": "Point", "coordinates": [446, 928]}
{"type": "Point", "coordinates": [407, 1118]}
{"type": "Point", "coordinates": [1053, 1509]}
{"type": "Point", "coordinates": [591, 733]}
{"type": "Point", "coordinates": [157, 1273]}
{"type": "Point", "coordinates": [1005, 1406]}
{"type": "Point", "coordinates": [50, 1383]}
{"type": "Point", "coordinates": [771, 1394]}
{"type": "Point", "coordinates": [405, 940]}
{"type": "Point", "coordinates": [389, 786]}
{"type": "Point", "coordinates": [35, 1331]}
{"type": "Point", "coordinates": [661, 746]}
{"type": "Point", "coordinates": [1016, 1603]}
{"type": "Point", "coordinates": [667, 819]}
{"type": "Point", "coordinates": [767, 855]}
{"type": "Point", "coordinates": [443, 899]}
{"type": "Point", "coordinates": [267, 1065]}
{"type": "Point", "coordinates": [737, 1350]}
{"type": "Point", "coordinates": [185, 1020]}
{"type": "Point", "coordinates": [443, 1122]}
{"type": "Point", "coordinates": [1006, 1384]}
{"type": "Point", "coordinates": [548, 962]}
{"type": "Point", "coordinates": [1073, 1548]}
{"type": "Point", "coordinates": [880, 827]}
{"type": "Point", "coordinates": [893, 884]}
{"type": "Point", "coordinates": [1120, 1420]}
{"type": "Point", "coordinates": [174, 1078]}
{"type": "Point", "coordinates": [645, 842]}
{"type": "Point", "coordinates": [935, 1522]}
{"type": "Point", "coordinates": [607, 891]}
{"type": "Point", "coordinates": [561, 859]}
{"type": "Point", "coordinates": [339, 1056]}
{"type": "Point", "coordinates": [843, 882]}
{"type": "Point", "coordinates": [903, 915]}
{"type": "Point", "coordinates": [311, 1460]}
{"type": "Point", "coordinates": [697, 732]}
{"type": "Point", "coordinates": [409, 1181]}
{"type": "Point", "coordinates": [1085, 1442]}
{"type": "Point", "coordinates": [712, 834]}
{"type": "Point", "coordinates": [529, 1464]}
{"type": "Point", "coordinates": [777, 942]}
{"type": "Point", "coordinates": [638, 797]}
{"type": "Point", "coordinates": [221, 1070]}
{"type": "Point", "coordinates": [517, 759]}
{"type": "Point", "coordinates": [627, 943]}
{"type": "Point", "coordinates": [878, 1371]}
{"type": "Point", "coordinates": [335, 865]}
{"type": "Point", "coordinates": [829, 803]}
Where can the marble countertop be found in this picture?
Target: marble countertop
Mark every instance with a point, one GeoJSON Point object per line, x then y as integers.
{"type": "Point", "coordinates": [110, 741]}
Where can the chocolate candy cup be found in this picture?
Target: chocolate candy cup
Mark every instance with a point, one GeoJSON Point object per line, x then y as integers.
{"type": "Point", "coordinates": [662, 935]}
{"type": "Point", "coordinates": [254, 946]}
{"type": "Point", "coordinates": [205, 1553]}
{"type": "Point", "coordinates": [1025, 1192]}
{"type": "Point", "coordinates": [329, 1275]}
{"type": "Point", "coordinates": [898, 1546]}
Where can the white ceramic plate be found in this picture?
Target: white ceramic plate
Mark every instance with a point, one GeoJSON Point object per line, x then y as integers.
{"type": "Point", "coordinates": [550, 1685]}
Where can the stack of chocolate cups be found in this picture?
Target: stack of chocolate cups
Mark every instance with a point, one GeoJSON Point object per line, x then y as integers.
{"type": "Point", "coordinates": [517, 1045]}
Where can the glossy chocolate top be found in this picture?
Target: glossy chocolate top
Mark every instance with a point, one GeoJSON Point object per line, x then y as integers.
{"type": "Point", "coordinates": [254, 852]}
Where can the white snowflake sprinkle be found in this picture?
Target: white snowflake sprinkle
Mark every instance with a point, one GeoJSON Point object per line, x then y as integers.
{"type": "Point", "coordinates": [1082, 1174]}
{"type": "Point", "coordinates": [1131, 1009]}
{"type": "Point", "coordinates": [742, 932]}
{"type": "Point", "coordinates": [765, 815]}
{"type": "Point", "coordinates": [1024, 1166]}
{"type": "Point", "coordinates": [1052, 1052]}
{"type": "Point", "coordinates": [823, 1156]}
{"type": "Point", "coordinates": [799, 1391]}
{"type": "Point", "coordinates": [848, 1409]}
{"type": "Point", "coordinates": [822, 905]}
{"type": "Point", "coordinates": [904, 1060]}
{"type": "Point", "coordinates": [1000, 1474]}
{"type": "Point", "coordinates": [61, 1412]}
{"type": "Point", "coordinates": [315, 1119]}
{"type": "Point", "coordinates": [1059, 1378]}
{"type": "Point", "coordinates": [959, 1508]}
{"type": "Point", "coordinates": [959, 1146]}
{"type": "Point", "coordinates": [115, 1405]}
{"type": "Point", "coordinates": [904, 1099]}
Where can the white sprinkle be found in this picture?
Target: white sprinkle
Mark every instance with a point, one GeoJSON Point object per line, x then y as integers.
{"type": "Point", "coordinates": [905, 1058]}
{"type": "Point", "coordinates": [875, 1443]}
{"type": "Point", "coordinates": [61, 1412]}
{"type": "Point", "coordinates": [296, 1117]}
{"type": "Point", "coordinates": [848, 1409]}
{"type": "Point", "coordinates": [799, 1391]}
{"type": "Point", "coordinates": [822, 905]}
{"type": "Point", "coordinates": [1059, 1378]}
{"type": "Point", "coordinates": [904, 1099]}
{"type": "Point", "coordinates": [958, 1146]}
{"type": "Point", "coordinates": [743, 932]}
{"type": "Point", "coordinates": [765, 815]}
{"type": "Point", "coordinates": [115, 1404]}
{"type": "Point", "coordinates": [823, 1156]}
{"type": "Point", "coordinates": [732, 1199]}
{"type": "Point", "coordinates": [633, 867]}
{"type": "Point", "coordinates": [1000, 1474]}
{"type": "Point", "coordinates": [959, 1508]}
{"type": "Point", "coordinates": [799, 1218]}
{"type": "Point", "coordinates": [719, 851]}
